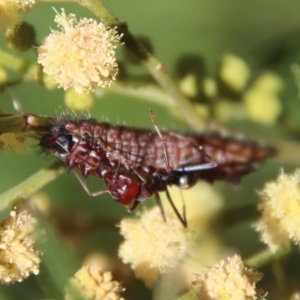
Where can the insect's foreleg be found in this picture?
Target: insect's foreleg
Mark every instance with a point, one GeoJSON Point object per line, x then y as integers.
{"type": "Point", "coordinates": [133, 206]}
{"type": "Point", "coordinates": [161, 208]}
{"type": "Point", "coordinates": [169, 169]}
{"type": "Point", "coordinates": [83, 184]}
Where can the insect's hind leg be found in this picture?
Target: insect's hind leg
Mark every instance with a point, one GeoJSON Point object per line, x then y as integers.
{"type": "Point", "coordinates": [83, 184]}
{"type": "Point", "coordinates": [181, 218]}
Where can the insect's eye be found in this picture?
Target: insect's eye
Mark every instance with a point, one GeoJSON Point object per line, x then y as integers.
{"type": "Point", "coordinates": [64, 143]}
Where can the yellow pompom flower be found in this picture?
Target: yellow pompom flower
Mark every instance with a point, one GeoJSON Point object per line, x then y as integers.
{"type": "Point", "coordinates": [82, 55]}
{"type": "Point", "coordinates": [280, 223]}
{"type": "Point", "coordinates": [18, 258]}
{"type": "Point", "coordinates": [229, 280]}
{"type": "Point", "coordinates": [10, 12]}
{"type": "Point", "coordinates": [91, 284]}
{"type": "Point", "coordinates": [152, 246]}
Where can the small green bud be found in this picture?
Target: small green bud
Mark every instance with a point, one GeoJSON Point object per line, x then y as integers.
{"type": "Point", "coordinates": [3, 76]}
{"type": "Point", "coordinates": [22, 37]}
{"type": "Point", "coordinates": [76, 101]}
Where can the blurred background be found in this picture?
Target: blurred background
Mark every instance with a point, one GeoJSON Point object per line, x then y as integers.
{"type": "Point", "coordinates": [196, 41]}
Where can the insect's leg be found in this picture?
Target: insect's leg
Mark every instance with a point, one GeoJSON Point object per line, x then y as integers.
{"type": "Point", "coordinates": [183, 207]}
{"type": "Point", "coordinates": [133, 205]}
{"type": "Point", "coordinates": [169, 169]}
{"type": "Point", "coordinates": [182, 218]}
{"type": "Point", "coordinates": [138, 174]}
{"type": "Point", "coordinates": [83, 184]}
{"type": "Point", "coordinates": [158, 201]}
{"type": "Point", "coordinates": [161, 208]}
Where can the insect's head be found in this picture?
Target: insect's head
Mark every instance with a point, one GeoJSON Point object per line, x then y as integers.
{"type": "Point", "coordinates": [57, 142]}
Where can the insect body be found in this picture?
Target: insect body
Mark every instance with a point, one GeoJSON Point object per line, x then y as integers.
{"type": "Point", "coordinates": [136, 163]}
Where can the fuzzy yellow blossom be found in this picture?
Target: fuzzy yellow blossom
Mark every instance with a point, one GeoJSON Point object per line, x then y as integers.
{"type": "Point", "coordinates": [82, 55]}
{"type": "Point", "coordinates": [10, 12]}
{"type": "Point", "coordinates": [91, 284]}
{"type": "Point", "coordinates": [229, 280]}
{"type": "Point", "coordinates": [152, 246]}
{"type": "Point", "coordinates": [18, 258]}
{"type": "Point", "coordinates": [280, 223]}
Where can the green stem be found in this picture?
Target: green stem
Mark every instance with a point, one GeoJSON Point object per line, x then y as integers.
{"type": "Point", "coordinates": [194, 263]}
{"type": "Point", "coordinates": [265, 257]}
{"type": "Point", "coordinates": [149, 93]}
{"type": "Point", "coordinates": [288, 151]}
{"type": "Point", "coordinates": [24, 122]}
{"type": "Point", "coordinates": [191, 295]}
{"type": "Point", "coordinates": [31, 185]}
{"type": "Point", "coordinates": [281, 279]}
{"type": "Point", "coordinates": [155, 67]}
{"type": "Point", "coordinates": [12, 62]}
{"type": "Point", "coordinates": [101, 11]}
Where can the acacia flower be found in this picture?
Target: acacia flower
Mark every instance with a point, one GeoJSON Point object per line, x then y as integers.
{"type": "Point", "coordinates": [10, 12]}
{"type": "Point", "coordinates": [152, 246]}
{"type": "Point", "coordinates": [91, 284]}
{"type": "Point", "coordinates": [280, 207]}
{"type": "Point", "coordinates": [81, 55]}
{"type": "Point", "coordinates": [229, 280]}
{"type": "Point", "coordinates": [18, 258]}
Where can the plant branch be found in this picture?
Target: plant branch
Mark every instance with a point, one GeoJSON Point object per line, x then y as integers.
{"type": "Point", "coordinates": [12, 62]}
{"type": "Point", "coordinates": [31, 185]}
{"type": "Point", "coordinates": [265, 257]}
{"type": "Point", "coordinates": [288, 151]}
{"type": "Point", "coordinates": [149, 93]}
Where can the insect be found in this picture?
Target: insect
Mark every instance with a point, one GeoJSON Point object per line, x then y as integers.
{"type": "Point", "coordinates": [138, 163]}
